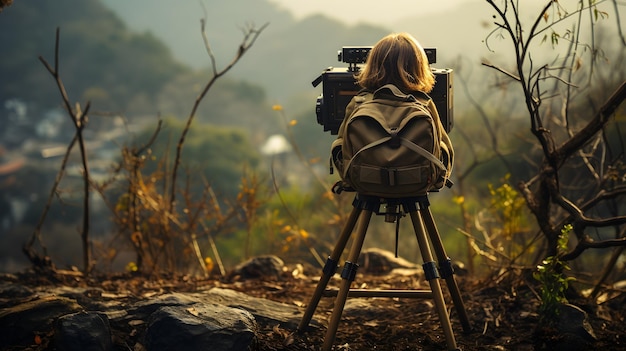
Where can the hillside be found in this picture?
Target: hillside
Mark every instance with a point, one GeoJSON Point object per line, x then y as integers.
{"type": "Point", "coordinates": [101, 60]}
{"type": "Point", "coordinates": [287, 57]}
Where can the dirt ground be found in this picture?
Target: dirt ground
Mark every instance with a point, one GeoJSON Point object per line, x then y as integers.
{"type": "Point", "coordinates": [502, 312]}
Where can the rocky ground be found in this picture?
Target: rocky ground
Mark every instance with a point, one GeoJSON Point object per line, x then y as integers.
{"type": "Point", "coordinates": [502, 310]}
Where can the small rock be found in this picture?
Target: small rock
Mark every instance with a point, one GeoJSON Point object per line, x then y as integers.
{"type": "Point", "coordinates": [573, 320]}
{"type": "Point", "coordinates": [364, 308]}
{"type": "Point", "coordinates": [259, 267]}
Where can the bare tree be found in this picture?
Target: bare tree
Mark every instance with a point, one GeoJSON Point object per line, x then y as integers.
{"type": "Point", "coordinates": [78, 117]}
{"type": "Point", "coordinates": [570, 134]}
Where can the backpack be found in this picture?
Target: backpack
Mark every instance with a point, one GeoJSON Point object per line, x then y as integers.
{"type": "Point", "coordinates": [392, 145]}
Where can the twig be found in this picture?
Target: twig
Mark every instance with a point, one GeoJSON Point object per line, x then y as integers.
{"type": "Point", "coordinates": [79, 119]}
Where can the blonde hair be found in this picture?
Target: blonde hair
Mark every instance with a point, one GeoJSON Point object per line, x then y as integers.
{"type": "Point", "coordinates": [398, 59]}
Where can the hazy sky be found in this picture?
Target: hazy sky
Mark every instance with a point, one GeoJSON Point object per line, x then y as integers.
{"type": "Point", "coordinates": [372, 11]}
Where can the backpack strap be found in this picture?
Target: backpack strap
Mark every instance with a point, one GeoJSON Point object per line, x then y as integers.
{"type": "Point", "coordinates": [420, 150]}
{"type": "Point", "coordinates": [366, 147]}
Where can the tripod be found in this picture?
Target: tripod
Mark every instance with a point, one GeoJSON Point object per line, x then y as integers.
{"type": "Point", "coordinates": [363, 208]}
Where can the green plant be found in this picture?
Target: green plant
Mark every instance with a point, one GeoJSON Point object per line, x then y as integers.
{"type": "Point", "coordinates": [502, 236]}
{"type": "Point", "coordinates": [508, 206]}
{"type": "Point", "coordinates": [553, 282]}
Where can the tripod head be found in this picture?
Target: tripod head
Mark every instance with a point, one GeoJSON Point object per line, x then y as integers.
{"type": "Point", "coordinates": [391, 208]}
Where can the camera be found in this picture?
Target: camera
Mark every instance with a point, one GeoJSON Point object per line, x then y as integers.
{"type": "Point", "coordinates": [339, 86]}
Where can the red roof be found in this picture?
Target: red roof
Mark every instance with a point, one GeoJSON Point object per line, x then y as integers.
{"type": "Point", "coordinates": [11, 166]}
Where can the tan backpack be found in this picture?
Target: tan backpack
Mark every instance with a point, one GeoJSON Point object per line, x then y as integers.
{"type": "Point", "coordinates": [392, 145]}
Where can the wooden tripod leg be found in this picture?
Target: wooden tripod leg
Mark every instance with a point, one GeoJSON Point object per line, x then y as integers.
{"type": "Point", "coordinates": [432, 275]}
{"type": "Point", "coordinates": [347, 275]}
{"type": "Point", "coordinates": [445, 266]}
{"type": "Point", "coordinates": [329, 268]}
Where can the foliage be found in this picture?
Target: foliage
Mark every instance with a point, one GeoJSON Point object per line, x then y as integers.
{"type": "Point", "coordinates": [508, 206]}
{"type": "Point", "coordinates": [554, 283]}
{"type": "Point", "coordinates": [158, 236]}
{"type": "Point", "coordinates": [215, 154]}
{"type": "Point", "coordinates": [505, 238]}
{"type": "Point", "coordinates": [301, 224]}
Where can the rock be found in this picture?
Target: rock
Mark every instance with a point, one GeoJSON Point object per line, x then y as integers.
{"type": "Point", "coordinates": [200, 327]}
{"type": "Point", "coordinates": [14, 290]}
{"type": "Point", "coordinates": [258, 267]}
{"type": "Point", "coordinates": [266, 311]}
{"type": "Point", "coordinates": [83, 331]}
{"type": "Point", "coordinates": [214, 319]}
{"type": "Point", "coordinates": [575, 332]}
{"type": "Point", "coordinates": [263, 310]}
{"type": "Point", "coordinates": [80, 317]}
{"type": "Point", "coordinates": [143, 309]}
{"type": "Point", "coordinates": [364, 308]}
{"type": "Point", "coordinates": [21, 323]}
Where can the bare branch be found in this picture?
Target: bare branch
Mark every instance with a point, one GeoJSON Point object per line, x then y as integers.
{"type": "Point", "coordinates": [249, 38]}
{"type": "Point", "coordinates": [594, 126]}
{"type": "Point", "coordinates": [501, 70]}
{"type": "Point", "coordinates": [589, 243]}
{"type": "Point", "coordinates": [618, 19]}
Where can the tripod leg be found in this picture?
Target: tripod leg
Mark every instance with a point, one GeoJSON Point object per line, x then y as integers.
{"type": "Point", "coordinates": [432, 275]}
{"type": "Point", "coordinates": [329, 268]}
{"type": "Point", "coordinates": [445, 266]}
{"type": "Point", "coordinates": [347, 275]}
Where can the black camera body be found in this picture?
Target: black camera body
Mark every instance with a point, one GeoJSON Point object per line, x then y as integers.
{"type": "Point", "coordinates": [339, 86]}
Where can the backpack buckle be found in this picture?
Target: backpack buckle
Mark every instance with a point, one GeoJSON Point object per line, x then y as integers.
{"type": "Point", "coordinates": [394, 142]}
{"type": "Point", "coordinates": [340, 187]}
